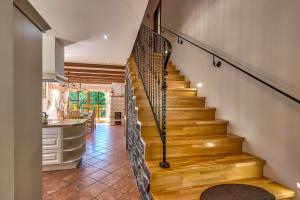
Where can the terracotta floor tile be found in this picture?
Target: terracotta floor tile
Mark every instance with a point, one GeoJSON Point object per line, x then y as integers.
{"type": "Point", "coordinates": [92, 161]}
{"type": "Point", "coordinates": [88, 170]}
{"type": "Point", "coordinates": [103, 157]}
{"type": "Point", "coordinates": [101, 164]}
{"type": "Point", "coordinates": [110, 194]}
{"type": "Point", "coordinates": [72, 178]}
{"type": "Point", "coordinates": [123, 171]}
{"type": "Point", "coordinates": [110, 179]}
{"type": "Point", "coordinates": [96, 189]}
{"type": "Point", "coordinates": [54, 187]}
{"type": "Point", "coordinates": [111, 168]}
{"type": "Point", "coordinates": [124, 185]}
{"type": "Point", "coordinates": [98, 175]}
{"type": "Point", "coordinates": [83, 183]}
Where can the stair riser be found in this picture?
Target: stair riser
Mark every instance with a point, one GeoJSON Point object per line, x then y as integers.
{"type": "Point", "coordinates": [176, 102]}
{"type": "Point", "coordinates": [211, 129]}
{"type": "Point", "coordinates": [186, 179]}
{"type": "Point", "coordinates": [175, 78]}
{"type": "Point", "coordinates": [201, 149]}
{"type": "Point", "coordinates": [182, 115]}
{"type": "Point", "coordinates": [173, 72]}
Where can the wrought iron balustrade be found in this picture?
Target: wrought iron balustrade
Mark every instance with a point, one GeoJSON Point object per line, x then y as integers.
{"type": "Point", "coordinates": [151, 53]}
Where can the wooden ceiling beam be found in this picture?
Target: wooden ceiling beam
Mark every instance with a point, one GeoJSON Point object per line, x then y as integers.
{"type": "Point", "coordinates": [83, 80]}
{"type": "Point", "coordinates": [95, 76]}
{"type": "Point", "coordinates": [97, 79]}
{"type": "Point", "coordinates": [95, 66]}
{"type": "Point", "coordinates": [94, 81]}
{"type": "Point", "coordinates": [94, 71]}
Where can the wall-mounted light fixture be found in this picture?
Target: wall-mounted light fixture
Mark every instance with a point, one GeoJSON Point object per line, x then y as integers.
{"type": "Point", "coordinates": [105, 37]}
{"type": "Point", "coordinates": [199, 85]}
{"type": "Point", "coordinates": [298, 185]}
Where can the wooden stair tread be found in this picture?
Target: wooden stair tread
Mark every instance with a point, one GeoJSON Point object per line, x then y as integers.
{"type": "Point", "coordinates": [202, 163]}
{"type": "Point", "coordinates": [170, 81]}
{"type": "Point", "coordinates": [182, 97]}
{"type": "Point", "coordinates": [174, 89]}
{"type": "Point", "coordinates": [193, 193]}
{"type": "Point", "coordinates": [182, 108]}
{"type": "Point", "coordinates": [188, 122]}
{"type": "Point", "coordinates": [193, 140]}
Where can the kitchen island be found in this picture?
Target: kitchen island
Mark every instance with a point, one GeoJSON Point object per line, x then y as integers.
{"type": "Point", "coordinates": [63, 143]}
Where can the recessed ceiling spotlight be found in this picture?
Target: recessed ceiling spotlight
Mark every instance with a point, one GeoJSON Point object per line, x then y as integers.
{"type": "Point", "coordinates": [105, 37]}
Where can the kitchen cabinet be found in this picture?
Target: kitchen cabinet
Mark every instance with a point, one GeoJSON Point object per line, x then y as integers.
{"type": "Point", "coordinates": [63, 143]}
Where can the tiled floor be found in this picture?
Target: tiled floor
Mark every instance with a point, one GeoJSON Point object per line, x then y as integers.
{"type": "Point", "coordinates": [104, 174]}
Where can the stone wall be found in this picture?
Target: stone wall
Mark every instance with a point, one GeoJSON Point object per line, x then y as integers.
{"type": "Point", "coordinates": [135, 143]}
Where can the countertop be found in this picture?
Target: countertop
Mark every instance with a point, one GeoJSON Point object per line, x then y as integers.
{"type": "Point", "coordinates": [63, 122]}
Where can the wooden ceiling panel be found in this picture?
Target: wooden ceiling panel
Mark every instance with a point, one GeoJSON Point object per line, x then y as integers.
{"type": "Point", "coordinates": [94, 73]}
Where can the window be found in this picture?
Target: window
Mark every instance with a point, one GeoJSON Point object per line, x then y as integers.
{"type": "Point", "coordinates": [86, 101]}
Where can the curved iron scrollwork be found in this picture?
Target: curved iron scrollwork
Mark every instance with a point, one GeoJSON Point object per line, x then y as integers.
{"type": "Point", "coordinates": [152, 53]}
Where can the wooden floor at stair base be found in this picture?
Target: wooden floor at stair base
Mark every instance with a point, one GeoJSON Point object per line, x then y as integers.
{"type": "Point", "coordinates": [195, 171]}
{"type": "Point", "coordinates": [193, 193]}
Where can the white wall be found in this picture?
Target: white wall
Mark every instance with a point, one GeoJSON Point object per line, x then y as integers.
{"type": "Point", "coordinates": [20, 106]}
{"type": "Point", "coordinates": [27, 108]}
{"type": "Point", "coordinates": [263, 34]}
{"type": "Point", "coordinates": [6, 101]}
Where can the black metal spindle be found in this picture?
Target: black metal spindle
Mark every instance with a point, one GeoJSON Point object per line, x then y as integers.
{"type": "Point", "coordinates": [151, 53]}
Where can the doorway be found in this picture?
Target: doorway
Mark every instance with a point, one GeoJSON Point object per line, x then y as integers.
{"type": "Point", "coordinates": [157, 19]}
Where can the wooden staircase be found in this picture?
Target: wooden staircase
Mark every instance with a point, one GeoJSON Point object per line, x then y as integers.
{"type": "Point", "coordinates": [200, 151]}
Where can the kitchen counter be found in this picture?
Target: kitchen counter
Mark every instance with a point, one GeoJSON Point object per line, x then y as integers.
{"type": "Point", "coordinates": [63, 123]}
{"type": "Point", "coordinates": [63, 143]}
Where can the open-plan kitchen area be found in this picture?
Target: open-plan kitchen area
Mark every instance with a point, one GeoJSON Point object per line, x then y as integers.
{"type": "Point", "coordinates": [66, 137]}
{"type": "Point", "coordinates": [83, 110]}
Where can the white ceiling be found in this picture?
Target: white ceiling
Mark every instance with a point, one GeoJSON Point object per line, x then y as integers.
{"type": "Point", "coordinates": [82, 24]}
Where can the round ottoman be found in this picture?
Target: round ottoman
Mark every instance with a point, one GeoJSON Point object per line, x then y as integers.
{"type": "Point", "coordinates": [236, 192]}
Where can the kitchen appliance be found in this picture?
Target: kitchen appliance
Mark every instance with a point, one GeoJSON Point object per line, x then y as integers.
{"type": "Point", "coordinates": [44, 118]}
{"type": "Point", "coordinates": [53, 59]}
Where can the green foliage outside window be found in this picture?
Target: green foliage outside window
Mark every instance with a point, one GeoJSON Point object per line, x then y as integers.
{"type": "Point", "coordinates": [96, 102]}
